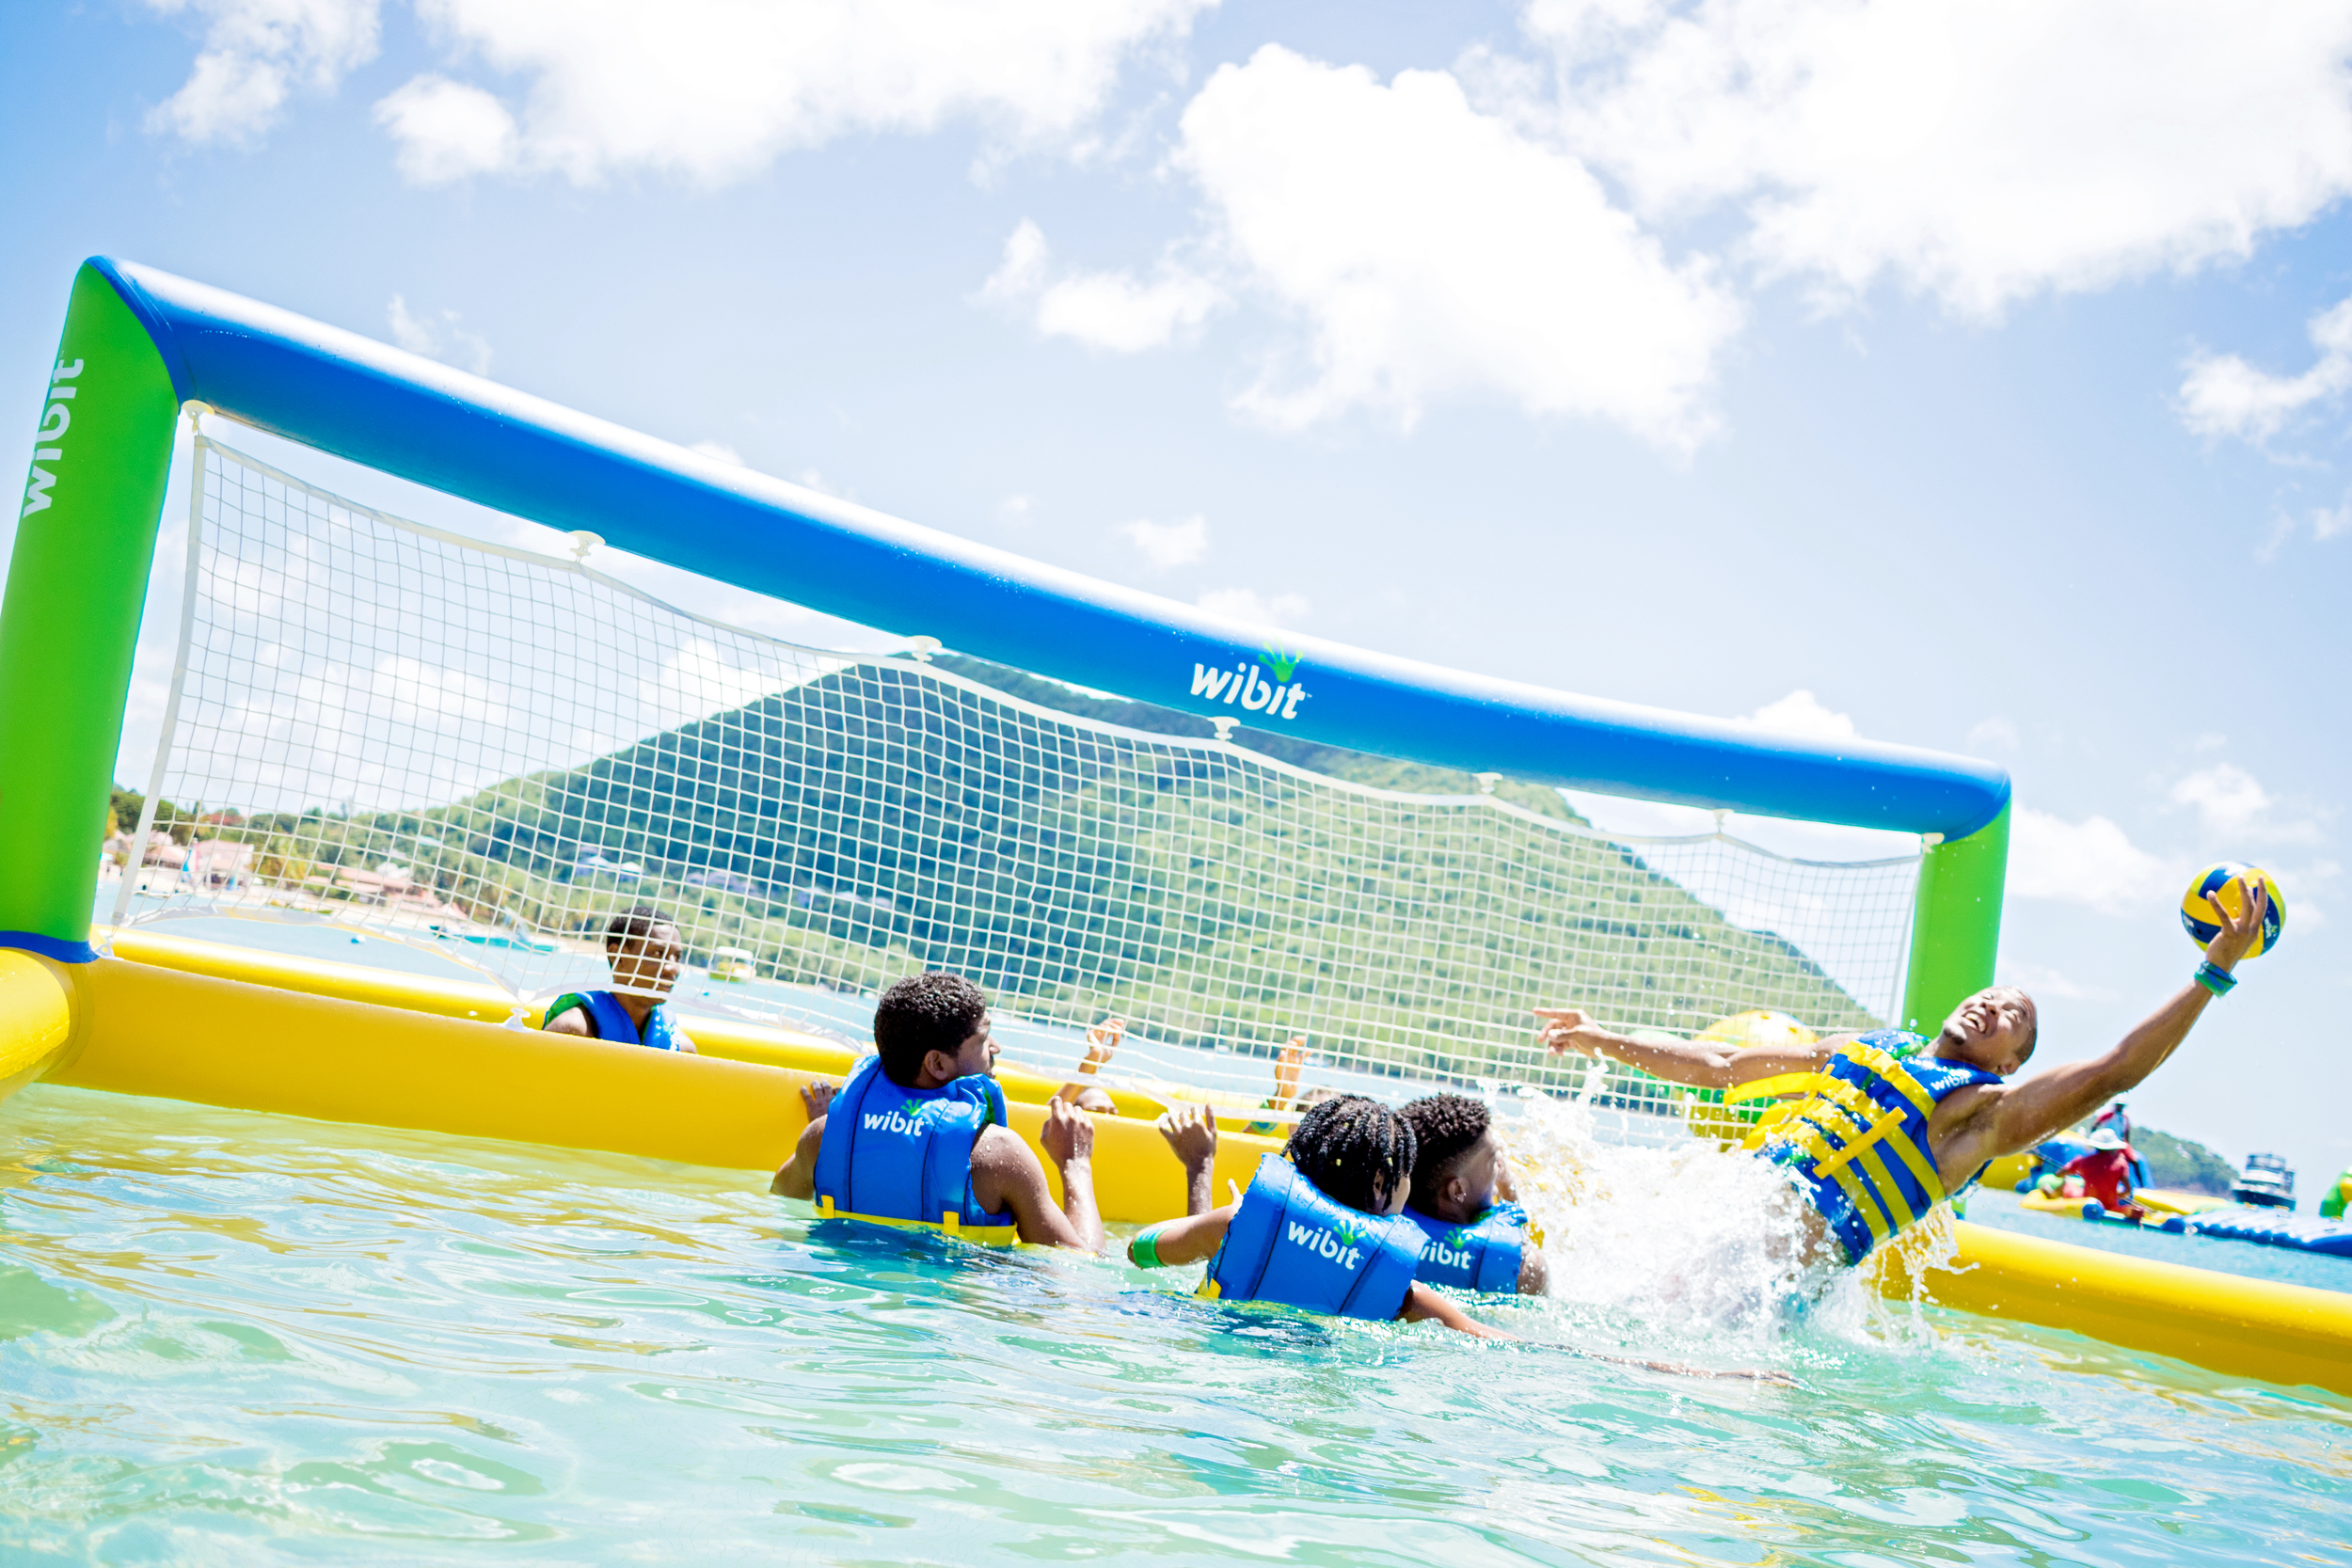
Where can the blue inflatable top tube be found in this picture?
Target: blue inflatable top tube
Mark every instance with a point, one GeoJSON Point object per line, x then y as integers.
{"type": "Point", "coordinates": [439, 427]}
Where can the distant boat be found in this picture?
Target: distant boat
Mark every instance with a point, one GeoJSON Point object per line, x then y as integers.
{"type": "Point", "coordinates": [732, 963]}
{"type": "Point", "coordinates": [2265, 1182]}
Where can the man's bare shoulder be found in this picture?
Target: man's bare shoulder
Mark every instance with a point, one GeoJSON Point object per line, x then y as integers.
{"type": "Point", "coordinates": [1000, 1149]}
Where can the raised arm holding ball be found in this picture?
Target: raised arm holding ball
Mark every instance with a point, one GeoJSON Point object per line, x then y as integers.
{"type": "Point", "coordinates": [1889, 1125]}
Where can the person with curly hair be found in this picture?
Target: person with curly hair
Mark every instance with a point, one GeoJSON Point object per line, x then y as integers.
{"type": "Point", "coordinates": [1322, 1230]}
{"type": "Point", "coordinates": [918, 1133]}
{"type": "Point", "coordinates": [1475, 1237]}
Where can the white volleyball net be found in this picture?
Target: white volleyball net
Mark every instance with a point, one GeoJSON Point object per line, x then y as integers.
{"type": "Point", "coordinates": [489, 753]}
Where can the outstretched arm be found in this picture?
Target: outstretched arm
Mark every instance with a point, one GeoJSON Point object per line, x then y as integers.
{"type": "Point", "coordinates": [1701, 1063]}
{"type": "Point", "coordinates": [1422, 1303]}
{"type": "Point", "coordinates": [2028, 1111]}
{"type": "Point", "coordinates": [1190, 1240]}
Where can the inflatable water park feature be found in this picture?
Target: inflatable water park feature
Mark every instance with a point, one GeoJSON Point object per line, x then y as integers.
{"type": "Point", "coordinates": [2046, 1186]}
{"type": "Point", "coordinates": [741, 754]}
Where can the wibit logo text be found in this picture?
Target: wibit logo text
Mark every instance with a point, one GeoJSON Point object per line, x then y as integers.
{"type": "Point", "coordinates": [1319, 1241]}
{"type": "Point", "coordinates": [1454, 1257]}
{"type": "Point", "coordinates": [890, 1121]}
{"type": "Point", "coordinates": [55, 420]}
{"type": "Point", "coordinates": [1247, 685]}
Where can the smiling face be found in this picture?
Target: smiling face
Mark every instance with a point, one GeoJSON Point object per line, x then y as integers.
{"type": "Point", "coordinates": [1994, 1029]}
{"type": "Point", "coordinates": [647, 965]}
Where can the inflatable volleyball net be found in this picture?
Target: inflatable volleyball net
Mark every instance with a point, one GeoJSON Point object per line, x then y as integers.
{"type": "Point", "coordinates": [491, 752]}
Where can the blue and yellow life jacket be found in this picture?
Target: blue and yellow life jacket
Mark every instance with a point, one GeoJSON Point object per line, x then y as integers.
{"type": "Point", "coordinates": [901, 1156]}
{"type": "Point", "coordinates": [611, 1020]}
{"type": "Point", "coordinates": [1857, 1144]}
{"type": "Point", "coordinates": [1292, 1242]}
{"type": "Point", "coordinates": [1483, 1254]}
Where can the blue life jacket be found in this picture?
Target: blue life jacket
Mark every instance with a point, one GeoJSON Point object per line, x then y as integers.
{"type": "Point", "coordinates": [1862, 1107]}
{"type": "Point", "coordinates": [1483, 1254]}
{"type": "Point", "coordinates": [1290, 1241]}
{"type": "Point", "coordinates": [611, 1020]}
{"type": "Point", "coordinates": [904, 1156]}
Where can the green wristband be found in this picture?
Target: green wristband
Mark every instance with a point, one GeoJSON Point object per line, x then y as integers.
{"type": "Point", "coordinates": [1144, 1251]}
{"type": "Point", "coordinates": [2214, 978]}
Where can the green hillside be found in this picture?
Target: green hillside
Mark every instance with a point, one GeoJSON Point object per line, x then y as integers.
{"type": "Point", "coordinates": [882, 819]}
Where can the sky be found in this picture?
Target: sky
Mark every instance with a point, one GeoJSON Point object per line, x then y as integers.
{"type": "Point", "coordinates": [1971, 375]}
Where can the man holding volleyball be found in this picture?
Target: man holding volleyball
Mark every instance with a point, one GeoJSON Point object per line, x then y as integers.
{"type": "Point", "coordinates": [1874, 1130]}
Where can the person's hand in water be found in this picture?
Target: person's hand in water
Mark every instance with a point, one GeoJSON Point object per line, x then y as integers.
{"type": "Point", "coordinates": [1191, 1134]}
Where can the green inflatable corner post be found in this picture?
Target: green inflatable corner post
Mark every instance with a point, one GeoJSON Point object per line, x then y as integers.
{"type": "Point", "coordinates": [1956, 923]}
{"type": "Point", "coordinates": [70, 623]}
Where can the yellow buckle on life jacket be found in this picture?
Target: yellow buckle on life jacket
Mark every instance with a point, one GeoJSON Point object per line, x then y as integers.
{"type": "Point", "coordinates": [950, 1223]}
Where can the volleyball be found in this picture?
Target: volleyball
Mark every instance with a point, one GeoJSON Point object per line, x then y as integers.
{"type": "Point", "coordinates": [2217, 889]}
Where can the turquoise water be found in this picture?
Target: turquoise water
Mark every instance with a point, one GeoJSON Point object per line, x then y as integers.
{"type": "Point", "coordinates": [231, 1337]}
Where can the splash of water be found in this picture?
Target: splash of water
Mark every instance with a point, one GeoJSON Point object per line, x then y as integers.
{"type": "Point", "coordinates": [1690, 1239]}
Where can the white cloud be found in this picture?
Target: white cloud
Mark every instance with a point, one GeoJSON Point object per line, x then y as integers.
{"type": "Point", "coordinates": [442, 339]}
{"type": "Point", "coordinates": [1243, 604]}
{"type": "Point", "coordinates": [714, 89]}
{"type": "Point", "coordinates": [256, 52]}
{"type": "Point", "coordinates": [720, 451]}
{"type": "Point", "coordinates": [2233, 806]}
{"type": "Point", "coordinates": [2223, 395]}
{"type": "Point", "coordinates": [1101, 309]}
{"type": "Point", "coordinates": [1995, 734]}
{"type": "Point", "coordinates": [2091, 862]}
{"type": "Point", "coordinates": [1430, 251]}
{"type": "Point", "coordinates": [1800, 713]}
{"type": "Point", "coordinates": [1980, 150]}
{"type": "Point", "coordinates": [447, 131]}
{"type": "Point", "coordinates": [1015, 509]}
{"type": "Point", "coordinates": [2228, 799]}
{"type": "Point", "coordinates": [1167, 544]}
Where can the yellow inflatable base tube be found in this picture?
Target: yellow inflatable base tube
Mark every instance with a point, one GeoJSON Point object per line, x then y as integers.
{"type": "Point", "coordinates": [154, 1030]}
{"type": "Point", "coordinates": [729, 1039]}
{"type": "Point", "coordinates": [2255, 1328]}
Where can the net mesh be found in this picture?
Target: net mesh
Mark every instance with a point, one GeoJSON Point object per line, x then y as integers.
{"type": "Point", "coordinates": [491, 753]}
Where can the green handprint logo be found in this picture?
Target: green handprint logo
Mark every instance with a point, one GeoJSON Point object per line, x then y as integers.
{"type": "Point", "coordinates": [1281, 661]}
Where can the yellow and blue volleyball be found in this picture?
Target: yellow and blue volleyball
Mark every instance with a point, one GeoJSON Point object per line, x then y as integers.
{"type": "Point", "coordinates": [2219, 888]}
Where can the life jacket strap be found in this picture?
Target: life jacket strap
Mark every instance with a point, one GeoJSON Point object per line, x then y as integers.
{"type": "Point", "coordinates": [950, 1223]}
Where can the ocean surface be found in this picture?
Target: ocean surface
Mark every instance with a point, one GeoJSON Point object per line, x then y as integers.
{"type": "Point", "coordinates": [229, 1338]}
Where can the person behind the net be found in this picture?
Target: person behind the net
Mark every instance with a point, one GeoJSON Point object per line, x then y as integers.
{"type": "Point", "coordinates": [1877, 1142]}
{"type": "Point", "coordinates": [1475, 1235]}
{"type": "Point", "coordinates": [918, 1132]}
{"type": "Point", "coordinates": [1321, 1231]}
{"type": "Point", "coordinates": [646, 958]}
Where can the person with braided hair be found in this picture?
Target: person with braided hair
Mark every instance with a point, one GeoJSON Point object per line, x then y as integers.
{"type": "Point", "coordinates": [1475, 1238]}
{"type": "Point", "coordinates": [1321, 1229]}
